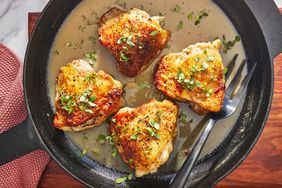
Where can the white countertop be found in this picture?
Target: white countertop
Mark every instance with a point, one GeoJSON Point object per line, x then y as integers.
{"type": "Point", "coordinates": [13, 22]}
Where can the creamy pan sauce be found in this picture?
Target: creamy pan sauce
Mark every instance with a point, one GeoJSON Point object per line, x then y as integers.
{"type": "Point", "coordinates": [78, 35]}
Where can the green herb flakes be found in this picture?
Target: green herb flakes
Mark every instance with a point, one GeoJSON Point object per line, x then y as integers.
{"type": "Point", "coordinates": [176, 9]}
{"type": "Point", "coordinates": [120, 180]}
{"type": "Point", "coordinates": [200, 16]}
{"type": "Point", "coordinates": [73, 45]}
{"type": "Point", "coordinates": [93, 40]}
{"type": "Point", "coordinates": [190, 16]}
{"type": "Point", "coordinates": [130, 176]}
{"type": "Point", "coordinates": [92, 98]}
{"type": "Point", "coordinates": [183, 118]}
{"type": "Point", "coordinates": [134, 137]}
{"type": "Point", "coordinates": [123, 57]}
{"type": "Point", "coordinates": [56, 52]}
{"type": "Point", "coordinates": [144, 85]}
{"type": "Point", "coordinates": [91, 56]}
{"type": "Point", "coordinates": [154, 124]}
{"type": "Point", "coordinates": [130, 161]}
{"type": "Point", "coordinates": [228, 45]}
{"type": "Point", "coordinates": [180, 25]}
{"type": "Point", "coordinates": [225, 70]}
{"type": "Point", "coordinates": [101, 138]}
{"type": "Point", "coordinates": [154, 33]}
{"type": "Point", "coordinates": [83, 152]}
{"type": "Point", "coordinates": [89, 111]}
{"type": "Point", "coordinates": [114, 153]}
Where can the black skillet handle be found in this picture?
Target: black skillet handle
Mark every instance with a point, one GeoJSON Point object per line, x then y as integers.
{"type": "Point", "coordinates": [18, 141]}
{"type": "Point", "coordinates": [270, 20]}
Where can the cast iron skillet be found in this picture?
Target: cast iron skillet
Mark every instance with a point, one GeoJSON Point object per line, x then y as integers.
{"type": "Point", "coordinates": [260, 25]}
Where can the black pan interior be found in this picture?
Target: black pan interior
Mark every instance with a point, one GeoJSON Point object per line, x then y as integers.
{"type": "Point", "coordinates": [207, 172]}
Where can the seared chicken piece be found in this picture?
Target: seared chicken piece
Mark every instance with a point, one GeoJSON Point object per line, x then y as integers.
{"type": "Point", "coordinates": [134, 38]}
{"type": "Point", "coordinates": [85, 97]}
{"type": "Point", "coordinates": [194, 75]}
{"type": "Point", "coordinates": [144, 135]}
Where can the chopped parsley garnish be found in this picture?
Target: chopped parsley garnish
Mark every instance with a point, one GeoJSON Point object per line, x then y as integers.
{"type": "Point", "coordinates": [189, 84]}
{"type": "Point", "coordinates": [83, 152]}
{"type": "Point", "coordinates": [144, 85]}
{"type": "Point", "coordinates": [126, 39]}
{"type": "Point", "coordinates": [190, 15]}
{"type": "Point", "coordinates": [130, 161]}
{"type": "Point", "coordinates": [56, 52]}
{"type": "Point", "coordinates": [228, 45]}
{"type": "Point", "coordinates": [129, 41]}
{"type": "Point", "coordinates": [130, 176]}
{"type": "Point", "coordinates": [197, 17]}
{"type": "Point", "coordinates": [154, 124]}
{"type": "Point", "coordinates": [73, 45]}
{"type": "Point", "coordinates": [67, 103]}
{"type": "Point", "coordinates": [123, 57]}
{"type": "Point", "coordinates": [180, 25]}
{"type": "Point", "coordinates": [225, 70]}
{"type": "Point", "coordinates": [154, 33]}
{"type": "Point", "coordinates": [152, 132]}
{"type": "Point", "coordinates": [191, 120]}
{"type": "Point", "coordinates": [176, 9]}
{"type": "Point", "coordinates": [101, 138]}
{"type": "Point", "coordinates": [93, 40]}
{"type": "Point", "coordinates": [114, 153]}
{"type": "Point", "coordinates": [121, 40]}
{"type": "Point", "coordinates": [114, 120]}
{"type": "Point", "coordinates": [209, 92]}
{"type": "Point", "coordinates": [200, 16]}
{"type": "Point", "coordinates": [134, 137]}
{"type": "Point", "coordinates": [90, 78]}
{"type": "Point", "coordinates": [122, 179]}
{"type": "Point", "coordinates": [92, 98]}
{"type": "Point", "coordinates": [183, 118]}
{"type": "Point", "coordinates": [212, 78]}
{"type": "Point", "coordinates": [199, 84]}
{"type": "Point", "coordinates": [91, 56]}
{"type": "Point", "coordinates": [89, 111]}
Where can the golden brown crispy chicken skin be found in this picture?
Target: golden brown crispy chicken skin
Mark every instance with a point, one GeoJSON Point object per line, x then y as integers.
{"type": "Point", "coordinates": [85, 97]}
{"type": "Point", "coordinates": [134, 38]}
{"type": "Point", "coordinates": [194, 75]}
{"type": "Point", "coordinates": [144, 135]}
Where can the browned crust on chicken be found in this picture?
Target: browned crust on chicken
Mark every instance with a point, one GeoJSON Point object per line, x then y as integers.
{"type": "Point", "coordinates": [85, 97]}
{"type": "Point", "coordinates": [194, 75]}
{"type": "Point", "coordinates": [134, 38]}
{"type": "Point", "coordinates": [141, 149]}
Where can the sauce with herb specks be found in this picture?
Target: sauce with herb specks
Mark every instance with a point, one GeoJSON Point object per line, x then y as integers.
{"type": "Point", "coordinates": [190, 22]}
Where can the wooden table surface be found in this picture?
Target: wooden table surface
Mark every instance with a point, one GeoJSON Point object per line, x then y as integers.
{"type": "Point", "coordinates": [262, 168]}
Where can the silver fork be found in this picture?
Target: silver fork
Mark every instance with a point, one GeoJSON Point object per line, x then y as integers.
{"type": "Point", "coordinates": [229, 107]}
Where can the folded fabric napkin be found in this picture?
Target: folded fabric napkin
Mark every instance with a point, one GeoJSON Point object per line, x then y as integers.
{"type": "Point", "coordinates": [24, 172]}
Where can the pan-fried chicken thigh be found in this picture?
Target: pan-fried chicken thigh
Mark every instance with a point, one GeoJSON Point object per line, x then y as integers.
{"type": "Point", "coordinates": [85, 97]}
{"type": "Point", "coordinates": [134, 38]}
{"type": "Point", "coordinates": [144, 135]}
{"type": "Point", "coordinates": [194, 75]}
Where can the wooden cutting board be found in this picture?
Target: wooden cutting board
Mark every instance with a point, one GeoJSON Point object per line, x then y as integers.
{"type": "Point", "coordinates": [262, 168]}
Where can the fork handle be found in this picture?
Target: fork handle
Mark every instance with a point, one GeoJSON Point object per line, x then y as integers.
{"type": "Point", "coordinates": [183, 174]}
